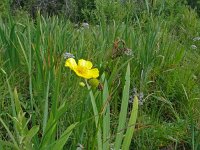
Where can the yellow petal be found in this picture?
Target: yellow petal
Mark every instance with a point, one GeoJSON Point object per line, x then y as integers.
{"type": "Point", "coordinates": [82, 74]}
{"type": "Point", "coordinates": [87, 74]}
{"type": "Point", "coordinates": [71, 63]}
{"type": "Point", "coordinates": [85, 64]}
{"type": "Point", "coordinates": [93, 73]}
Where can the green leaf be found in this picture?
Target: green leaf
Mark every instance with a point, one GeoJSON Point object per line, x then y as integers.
{"type": "Point", "coordinates": [95, 110]}
{"type": "Point", "coordinates": [6, 143]}
{"type": "Point", "coordinates": [12, 98]}
{"type": "Point", "coordinates": [10, 134]}
{"type": "Point", "coordinates": [64, 137]}
{"type": "Point", "coordinates": [96, 114]}
{"type": "Point", "coordinates": [45, 115]}
{"type": "Point", "coordinates": [31, 133]}
{"type": "Point", "coordinates": [21, 120]}
{"type": "Point", "coordinates": [17, 102]}
{"type": "Point", "coordinates": [50, 129]}
{"type": "Point", "coordinates": [106, 117]}
{"type": "Point", "coordinates": [123, 111]}
{"type": "Point", "coordinates": [131, 124]}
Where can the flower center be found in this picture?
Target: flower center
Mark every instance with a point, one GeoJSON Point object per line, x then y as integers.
{"type": "Point", "coordinates": [81, 70]}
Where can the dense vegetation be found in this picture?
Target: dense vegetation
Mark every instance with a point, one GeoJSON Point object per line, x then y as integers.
{"type": "Point", "coordinates": [76, 10]}
{"type": "Point", "coordinates": [148, 56]}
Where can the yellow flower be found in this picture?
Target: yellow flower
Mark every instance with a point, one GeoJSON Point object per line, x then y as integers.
{"type": "Point", "coordinates": [83, 68]}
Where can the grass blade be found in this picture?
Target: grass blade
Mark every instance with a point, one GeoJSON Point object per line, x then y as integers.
{"type": "Point", "coordinates": [46, 106]}
{"type": "Point", "coordinates": [10, 134]}
{"type": "Point", "coordinates": [131, 124]}
{"type": "Point", "coordinates": [99, 135]}
{"type": "Point", "coordinates": [123, 111]}
{"type": "Point", "coordinates": [64, 137]}
{"type": "Point", "coordinates": [106, 117]}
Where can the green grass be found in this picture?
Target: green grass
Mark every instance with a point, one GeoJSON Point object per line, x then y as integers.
{"type": "Point", "coordinates": [42, 105]}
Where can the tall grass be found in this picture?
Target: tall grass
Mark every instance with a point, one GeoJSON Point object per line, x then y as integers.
{"type": "Point", "coordinates": [42, 102]}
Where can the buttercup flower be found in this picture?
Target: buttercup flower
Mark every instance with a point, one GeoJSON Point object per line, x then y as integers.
{"type": "Point", "coordinates": [83, 68]}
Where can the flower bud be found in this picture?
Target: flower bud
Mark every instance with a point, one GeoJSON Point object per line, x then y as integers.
{"type": "Point", "coordinates": [82, 84]}
{"type": "Point", "coordinates": [93, 83]}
